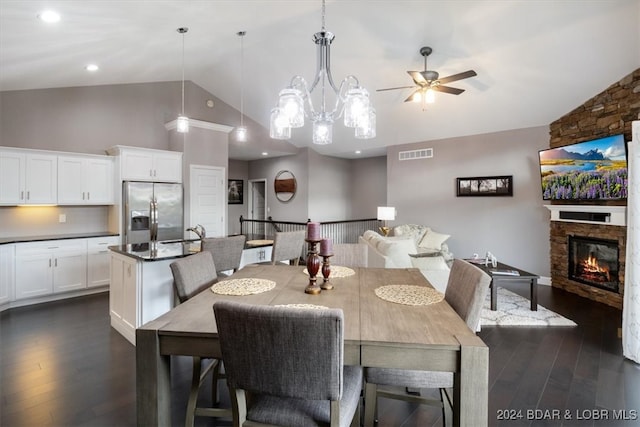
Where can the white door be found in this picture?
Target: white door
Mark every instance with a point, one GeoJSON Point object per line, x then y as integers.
{"type": "Point", "coordinates": [258, 203]}
{"type": "Point", "coordinates": [208, 202]}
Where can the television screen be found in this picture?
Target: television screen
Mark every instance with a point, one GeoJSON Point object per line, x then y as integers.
{"type": "Point", "coordinates": [589, 170]}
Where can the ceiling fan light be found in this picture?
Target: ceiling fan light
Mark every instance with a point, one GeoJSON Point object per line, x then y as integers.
{"type": "Point", "coordinates": [322, 132]}
{"type": "Point", "coordinates": [182, 124]}
{"type": "Point", "coordinates": [430, 96]}
{"type": "Point", "coordinates": [356, 105]}
{"type": "Point", "coordinates": [416, 97]}
{"type": "Point", "coordinates": [367, 127]}
{"type": "Point", "coordinates": [290, 102]}
{"type": "Point", "coordinates": [279, 125]}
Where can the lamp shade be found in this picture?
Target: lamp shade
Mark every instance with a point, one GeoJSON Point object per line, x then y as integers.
{"type": "Point", "coordinates": [386, 213]}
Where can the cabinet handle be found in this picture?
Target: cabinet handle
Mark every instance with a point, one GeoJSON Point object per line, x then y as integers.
{"type": "Point", "coordinates": [49, 262]}
{"type": "Point", "coordinates": [154, 172]}
{"type": "Point", "coordinates": [129, 270]}
{"type": "Point", "coordinates": [150, 172]}
{"type": "Point", "coordinates": [83, 195]}
{"type": "Point", "coordinates": [56, 262]}
{"type": "Point", "coordinates": [22, 195]}
{"type": "Point", "coordinates": [88, 196]}
{"type": "Point", "coordinates": [28, 195]}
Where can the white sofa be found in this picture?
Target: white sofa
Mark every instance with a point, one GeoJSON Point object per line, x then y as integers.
{"type": "Point", "coordinates": [409, 247]}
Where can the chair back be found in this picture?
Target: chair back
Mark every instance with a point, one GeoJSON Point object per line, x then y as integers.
{"type": "Point", "coordinates": [193, 274]}
{"type": "Point", "coordinates": [282, 351]}
{"type": "Point", "coordinates": [287, 245]}
{"type": "Point", "coordinates": [350, 254]}
{"type": "Point", "coordinates": [466, 291]}
{"type": "Point", "coordinates": [226, 251]}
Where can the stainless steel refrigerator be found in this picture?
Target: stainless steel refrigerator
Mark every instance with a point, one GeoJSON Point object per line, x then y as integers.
{"type": "Point", "coordinates": [152, 211]}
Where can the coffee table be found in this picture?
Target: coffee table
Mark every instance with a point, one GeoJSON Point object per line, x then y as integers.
{"type": "Point", "coordinates": [497, 279]}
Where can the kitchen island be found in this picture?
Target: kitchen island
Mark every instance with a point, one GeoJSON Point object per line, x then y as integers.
{"type": "Point", "coordinates": [141, 286]}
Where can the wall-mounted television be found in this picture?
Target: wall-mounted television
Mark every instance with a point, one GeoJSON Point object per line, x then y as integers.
{"type": "Point", "coordinates": [589, 170]}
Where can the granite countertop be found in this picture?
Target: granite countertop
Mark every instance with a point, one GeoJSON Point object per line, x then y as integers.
{"type": "Point", "coordinates": [158, 251]}
{"type": "Point", "coordinates": [26, 239]}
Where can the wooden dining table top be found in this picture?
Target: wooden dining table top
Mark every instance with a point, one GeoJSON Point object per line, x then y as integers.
{"type": "Point", "coordinates": [368, 318]}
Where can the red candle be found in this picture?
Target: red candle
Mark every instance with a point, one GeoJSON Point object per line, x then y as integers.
{"type": "Point", "coordinates": [313, 231]}
{"type": "Point", "coordinates": [326, 247]}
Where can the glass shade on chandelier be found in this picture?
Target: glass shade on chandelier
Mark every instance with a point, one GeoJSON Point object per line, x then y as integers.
{"type": "Point", "coordinates": [182, 122]}
{"type": "Point", "coordinates": [351, 101]}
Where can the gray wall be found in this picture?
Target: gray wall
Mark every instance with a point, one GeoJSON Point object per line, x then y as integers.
{"type": "Point", "coordinates": [515, 229]}
{"type": "Point", "coordinates": [330, 189]}
{"type": "Point", "coordinates": [369, 180]}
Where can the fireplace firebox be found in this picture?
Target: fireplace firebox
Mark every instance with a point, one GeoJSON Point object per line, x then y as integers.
{"type": "Point", "coordinates": [594, 262]}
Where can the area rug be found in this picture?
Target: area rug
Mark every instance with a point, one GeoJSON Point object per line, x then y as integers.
{"type": "Point", "coordinates": [514, 310]}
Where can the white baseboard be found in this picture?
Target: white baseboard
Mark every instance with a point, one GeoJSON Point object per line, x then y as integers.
{"type": "Point", "coordinates": [544, 280]}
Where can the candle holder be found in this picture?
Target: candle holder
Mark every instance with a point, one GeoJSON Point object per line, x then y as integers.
{"type": "Point", "coordinates": [326, 272]}
{"type": "Point", "coordinates": [313, 265]}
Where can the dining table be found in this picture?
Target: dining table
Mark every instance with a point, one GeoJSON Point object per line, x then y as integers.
{"type": "Point", "coordinates": [377, 333]}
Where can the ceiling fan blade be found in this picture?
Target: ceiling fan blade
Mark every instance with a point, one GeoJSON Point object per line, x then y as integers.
{"type": "Point", "coordinates": [417, 77]}
{"type": "Point", "coordinates": [410, 97]}
{"type": "Point", "coordinates": [447, 89]}
{"type": "Point", "coordinates": [394, 88]}
{"type": "Point", "coordinates": [458, 76]}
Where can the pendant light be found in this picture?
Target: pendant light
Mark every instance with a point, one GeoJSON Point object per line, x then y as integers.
{"type": "Point", "coordinates": [241, 131]}
{"type": "Point", "coordinates": [182, 124]}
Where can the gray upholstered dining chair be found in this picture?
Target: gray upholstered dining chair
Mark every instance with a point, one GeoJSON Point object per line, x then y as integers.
{"type": "Point", "coordinates": [350, 254]}
{"type": "Point", "coordinates": [287, 246]}
{"type": "Point", "coordinates": [192, 275]}
{"type": "Point", "coordinates": [226, 251]}
{"type": "Point", "coordinates": [290, 361]}
{"type": "Point", "coordinates": [466, 291]}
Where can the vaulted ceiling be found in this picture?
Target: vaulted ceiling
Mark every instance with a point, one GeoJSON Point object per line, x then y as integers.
{"type": "Point", "coordinates": [535, 60]}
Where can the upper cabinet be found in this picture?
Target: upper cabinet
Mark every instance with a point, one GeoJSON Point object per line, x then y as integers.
{"type": "Point", "coordinates": [85, 180]}
{"type": "Point", "coordinates": [28, 177]}
{"type": "Point", "coordinates": [142, 164]}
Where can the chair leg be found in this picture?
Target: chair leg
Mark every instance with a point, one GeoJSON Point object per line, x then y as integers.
{"type": "Point", "coordinates": [193, 393]}
{"type": "Point", "coordinates": [215, 377]}
{"type": "Point", "coordinates": [370, 403]}
{"type": "Point", "coordinates": [446, 395]}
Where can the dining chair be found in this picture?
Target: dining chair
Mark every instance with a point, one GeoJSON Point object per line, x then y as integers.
{"type": "Point", "coordinates": [192, 275]}
{"type": "Point", "coordinates": [226, 251]}
{"type": "Point", "coordinates": [288, 246]}
{"type": "Point", "coordinates": [466, 291]}
{"type": "Point", "coordinates": [290, 363]}
{"type": "Point", "coordinates": [349, 254]}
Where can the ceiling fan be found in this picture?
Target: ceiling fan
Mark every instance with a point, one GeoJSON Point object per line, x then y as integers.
{"type": "Point", "coordinates": [428, 81]}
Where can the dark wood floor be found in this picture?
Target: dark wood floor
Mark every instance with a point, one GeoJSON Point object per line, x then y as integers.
{"type": "Point", "coordinates": [62, 365]}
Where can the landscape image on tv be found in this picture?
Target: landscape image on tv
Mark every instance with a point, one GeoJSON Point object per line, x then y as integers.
{"type": "Point", "coordinates": [590, 170]}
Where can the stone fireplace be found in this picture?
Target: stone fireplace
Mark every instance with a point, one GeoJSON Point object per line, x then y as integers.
{"type": "Point", "coordinates": [574, 241]}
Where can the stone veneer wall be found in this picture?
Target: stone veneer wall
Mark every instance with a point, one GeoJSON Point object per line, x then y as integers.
{"type": "Point", "coordinates": [608, 113]}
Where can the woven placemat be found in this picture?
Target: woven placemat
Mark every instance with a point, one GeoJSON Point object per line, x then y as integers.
{"type": "Point", "coordinates": [248, 286]}
{"type": "Point", "coordinates": [303, 306]}
{"type": "Point", "coordinates": [409, 294]}
{"type": "Point", "coordinates": [337, 272]}
{"type": "Point", "coordinates": [259, 242]}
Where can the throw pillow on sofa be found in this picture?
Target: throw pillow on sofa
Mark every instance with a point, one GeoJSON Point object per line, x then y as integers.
{"type": "Point", "coordinates": [397, 250]}
{"type": "Point", "coordinates": [429, 263]}
{"type": "Point", "coordinates": [414, 231]}
{"type": "Point", "coordinates": [433, 240]}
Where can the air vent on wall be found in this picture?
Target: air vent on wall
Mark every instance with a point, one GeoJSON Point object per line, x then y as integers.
{"type": "Point", "coordinates": [424, 153]}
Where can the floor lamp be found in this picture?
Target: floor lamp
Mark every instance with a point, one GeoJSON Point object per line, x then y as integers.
{"type": "Point", "coordinates": [386, 213]}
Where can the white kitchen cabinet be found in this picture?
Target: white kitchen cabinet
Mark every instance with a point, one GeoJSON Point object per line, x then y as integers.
{"type": "Point", "coordinates": [28, 177]}
{"type": "Point", "coordinates": [139, 292]}
{"type": "Point", "coordinates": [7, 275]}
{"type": "Point", "coordinates": [85, 180]}
{"type": "Point", "coordinates": [43, 268]}
{"type": "Point", "coordinates": [142, 164]}
{"type": "Point", "coordinates": [98, 260]}
{"type": "Point", "coordinates": [255, 255]}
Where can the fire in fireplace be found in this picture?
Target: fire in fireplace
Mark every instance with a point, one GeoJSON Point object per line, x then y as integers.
{"type": "Point", "coordinates": [594, 262]}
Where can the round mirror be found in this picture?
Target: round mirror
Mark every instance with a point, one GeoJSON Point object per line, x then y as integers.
{"type": "Point", "coordinates": [285, 186]}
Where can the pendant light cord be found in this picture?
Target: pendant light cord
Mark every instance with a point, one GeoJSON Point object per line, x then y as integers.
{"type": "Point", "coordinates": [323, 14]}
{"type": "Point", "coordinates": [183, 32]}
{"type": "Point", "coordinates": [241, 34]}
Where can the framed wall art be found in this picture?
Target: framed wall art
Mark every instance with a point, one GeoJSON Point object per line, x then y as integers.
{"type": "Point", "coordinates": [483, 186]}
{"type": "Point", "coordinates": [235, 194]}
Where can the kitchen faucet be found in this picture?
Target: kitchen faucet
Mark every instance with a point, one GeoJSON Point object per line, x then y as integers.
{"type": "Point", "coordinates": [199, 230]}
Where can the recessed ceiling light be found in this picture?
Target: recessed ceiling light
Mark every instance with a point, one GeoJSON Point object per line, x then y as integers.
{"type": "Point", "coordinates": [92, 67]}
{"type": "Point", "coordinates": [264, 153]}
{"type": "Point", "coordinates": [49, 16]}
{"type": "Point", "coordinates": [358, 151]}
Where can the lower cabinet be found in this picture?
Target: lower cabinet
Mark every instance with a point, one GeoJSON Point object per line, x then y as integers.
{"type": "Point", "coordinates": [139, 292]}
{"type": "Point", "coordinates": [48, 267]}
{"type": "Point", "coordinates": [255, 255]}
{"type": "Point", "coordinates": [7, 272]}
{"type": "Point", "coordinates": [98, 260]}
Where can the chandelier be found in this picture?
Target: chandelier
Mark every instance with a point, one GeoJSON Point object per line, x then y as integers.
{"type": "Point", "coordinates": [351, 101]}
